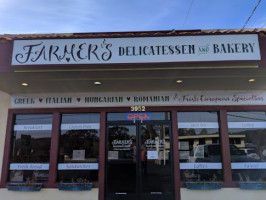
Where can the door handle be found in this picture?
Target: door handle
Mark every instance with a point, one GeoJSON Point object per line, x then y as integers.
{"type": "Point", "coordinates": [156, 193]}
{"type": "Point", "coordinates": [121, 193]}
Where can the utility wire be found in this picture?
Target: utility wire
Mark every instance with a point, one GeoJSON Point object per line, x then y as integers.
{"type": "Point", "coordinates": [188, 12]}
{"type": "Point", "coordinates": [251, 14]}
{"type": "Point", "coordinates": [263, 25]}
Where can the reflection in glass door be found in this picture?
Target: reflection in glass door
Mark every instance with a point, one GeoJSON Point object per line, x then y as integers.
{"type": "Point", "coordinates": [121, 162]}
{"type": "Point", "coordinates": [156, 177]}
{"type": "Point", "coordinates": [139, 163]}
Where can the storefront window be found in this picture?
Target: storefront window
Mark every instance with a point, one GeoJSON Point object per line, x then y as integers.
{"type": "Point", "coordinates": [247, 136]}
{"type": "Point", "coordinates": [79, 147]}
{"type": "Point", "coordinates": [199, 146]}
{"type": "Point", "coordinates": [30, 151]}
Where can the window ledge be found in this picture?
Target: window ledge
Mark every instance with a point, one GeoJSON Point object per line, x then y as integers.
{"type": "Point", "coordinates": [252, 185]}
{"type": "Point", "coordinates": [32, 187]}
{"type": "Point", "coordinates": [203, 185]}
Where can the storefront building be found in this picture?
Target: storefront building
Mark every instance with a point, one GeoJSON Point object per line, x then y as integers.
{"type": "Point", "coordinates": [141, 115]}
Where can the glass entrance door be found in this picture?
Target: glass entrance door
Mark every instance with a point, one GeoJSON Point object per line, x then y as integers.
{"type": "Point", "coordinates": [139, 163]}
{"type": "Point", "coordinates": [155, 162]}
{"type": "Point", "coordinates": [121, 167]}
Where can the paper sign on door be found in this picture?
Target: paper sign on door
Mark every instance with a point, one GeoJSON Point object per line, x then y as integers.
{"type": "Point", "coordinates": [152, 155]}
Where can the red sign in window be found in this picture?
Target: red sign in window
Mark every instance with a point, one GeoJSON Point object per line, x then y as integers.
{"type": "Point", "coordinates": [134, 116]}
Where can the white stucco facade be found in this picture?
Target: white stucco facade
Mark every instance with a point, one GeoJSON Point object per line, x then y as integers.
{"type": "Point", "coordinates": [4, 106]}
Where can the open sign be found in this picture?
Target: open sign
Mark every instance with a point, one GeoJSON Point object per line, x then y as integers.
{"type": "Point", "coordinates": [141, 116]}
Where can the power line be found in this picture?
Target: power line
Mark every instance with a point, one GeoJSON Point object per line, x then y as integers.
{"type": "Point", "coordinates": [251, 14]}
{"type": "Point", "coordinates": [188, 12]}
{"type": "Point", "coordinates": [263, 25]}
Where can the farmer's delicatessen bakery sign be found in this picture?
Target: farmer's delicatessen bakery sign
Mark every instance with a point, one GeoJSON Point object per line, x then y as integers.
{"type": "Point", "coordinates": [136, 50]}
{"type": "Point", "coordinates": [180, 98]}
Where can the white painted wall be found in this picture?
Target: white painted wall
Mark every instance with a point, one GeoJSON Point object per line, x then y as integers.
{"type": "Point", "coordinates": [49, 194]}
{"type": "Point", "coordinates": [4, 106]}
{"type": "Point", "coordinates": [223, 194]}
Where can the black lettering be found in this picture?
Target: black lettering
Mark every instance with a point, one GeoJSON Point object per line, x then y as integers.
{"type": "Point", "coordinates": [245, 48]}
{"type": "Point", "coordinates": [133, 51]}
{"type": "Point", "coordinates": [92, 51]}
{"type": "Point", "coordinates": [152, 51]}
{"type": "Point", "coordinates": [251, 45]}
{"type": "Point", "coordinates": [53, 50]}
{"type": "Point", "coordinates": [121, 51]}
{"type": "Point", "coordinates": [216, 48]}
{"type": "Point", "coordinates": [68, 53]}
{"type": "Point", "coordinates": [164, 50]}
{"type": "Point", "coordinates": [229, 48]}
{"type": "Point", "coordinates": [171, 49]}
{"type": "Point", "coordinates": [158, 49]}
{"type": "Point", "coordinates": [42, 52]}
{"type": "Point", "coordinates": [128, 51]}
{"type": "Point", "coordinates": [191, 49]}
{"type": "Point", "coordinates": [80, 50]}
{"type": "Point", "coordinates": [177, 48]}
{"type": "Point", "coordinates": [237, 48]}
{"type": "Point", "coordinates": [107, 55]}
{"type": "Point", "coordinates": [145, 50]}
{"type": "Point", "coordinates": [184, 49]}
{"type": "Point", "coordinates": [223, 49]}
{"type": "Point", "coordinates": [20, 56]}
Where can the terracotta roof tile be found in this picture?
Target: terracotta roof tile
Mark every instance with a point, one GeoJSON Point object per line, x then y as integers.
{"type": "Point", "coordinates": [10, 37]}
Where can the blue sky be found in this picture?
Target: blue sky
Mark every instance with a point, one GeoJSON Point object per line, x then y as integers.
{"type": "Point", "coordinates": [68, 16]}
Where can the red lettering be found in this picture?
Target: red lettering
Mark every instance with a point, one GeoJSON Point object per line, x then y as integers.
{"type": "Point", "coordinates": [138, 116]}
{"type": "Point", "coordinates": [130, 116]}
{"type": "Point", "coordinates": [147, 116]}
